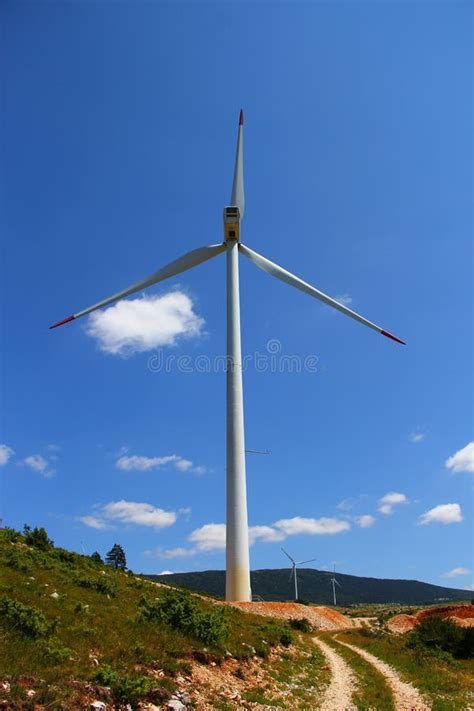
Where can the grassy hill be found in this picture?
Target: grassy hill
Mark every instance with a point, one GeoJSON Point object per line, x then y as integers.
{"type": "Point", "coordinates": [314, 587]}
{"type": "Point", "coordinates": [74, 630]}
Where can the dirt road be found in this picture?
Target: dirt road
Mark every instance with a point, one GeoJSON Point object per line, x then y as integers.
{"type": "Point", "coordinates": [338, 695]}
{"type": "Point", "coordinates": [405, 696]}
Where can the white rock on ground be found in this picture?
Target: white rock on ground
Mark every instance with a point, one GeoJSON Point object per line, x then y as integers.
{"type": "Point", "coordinates": [98, 706]}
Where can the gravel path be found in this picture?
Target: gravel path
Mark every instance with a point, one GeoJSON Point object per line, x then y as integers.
{"type": "Point", "coordinates": [406, 697]}
{"type": "Point", "coordinates": [338, 695]}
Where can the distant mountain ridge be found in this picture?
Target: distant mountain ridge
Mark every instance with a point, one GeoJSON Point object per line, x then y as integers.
{"type": "Point", "coordinates": [314, 586]}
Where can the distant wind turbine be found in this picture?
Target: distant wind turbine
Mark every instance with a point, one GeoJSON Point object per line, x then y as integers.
{"type": "Point", "coordinates": [334, 582]}
{"type": "Point", "coordinates": [294, 573]}
{"type": "Point", "coordinates": [237, 539]}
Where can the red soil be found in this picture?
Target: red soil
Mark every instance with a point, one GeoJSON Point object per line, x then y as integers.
{"type": "Point", "coordinates": [401, 624]}
{"type": "Point", "coordinates": [462, 615]}
{"type": "Point", "coordinates": [321, 618]}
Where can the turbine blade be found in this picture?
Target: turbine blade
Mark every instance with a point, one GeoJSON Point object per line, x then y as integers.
{"type": "Point", "coordinates": [187, 261]}
{"type": "Point", "coordinates": [288, 555]}
{"type": "Point", "coordinates": [238, 198]}
{"type": "Point", "coordinates": [337, 583]}
{"type": "Point", "coordinates": [280, 273]}
{"type": "Point", "coordinates": [291, 575]}
{"type": "Point", "coordinates": [302, 562]}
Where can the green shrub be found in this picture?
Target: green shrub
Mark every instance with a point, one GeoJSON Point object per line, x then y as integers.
{"type": "Point", "coordinates": [81, 608]}
{"type": "Point", "coordinates": [28, 620]}
{"type": "Point", "coordinates": [434, 633]}
{"type": "Point", "coordinates": [181, 611]}
{"type": "Point", "coordinates": [10, 535]}
{"type": "Point", "coordinates": [54, 653]}
{"type": "Point", "coordinates": [101, 585]}
{"type": "Point", "coordinates": [302, 625]}
{"type": "Point", "coordinates": [37, 537]}
{"type": "Point", "coordinates": [125, 689]}
{"type": "Point", "coordinates": [66, 556]}
{"type": "Point", "coordinates": [262, 650]}
{"type": "Point", "coordinates": [18, 561]}
{"type": "Point", "coordinates": [286, 639]}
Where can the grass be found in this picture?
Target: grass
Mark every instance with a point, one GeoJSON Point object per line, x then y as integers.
{"type": "Point", "coordinates": [308, 668]}
{"type": "Point", "coordinates": [67, 621]}
{"type": "Point", "coordinates": [447, 682]}
{"type": "Point", "coordinates": [372, 691]}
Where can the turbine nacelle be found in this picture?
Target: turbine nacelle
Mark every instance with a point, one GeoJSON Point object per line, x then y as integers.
{"type": "Point", "coordinates": [231, 223]}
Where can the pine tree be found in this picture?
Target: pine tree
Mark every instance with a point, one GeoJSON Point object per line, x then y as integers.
{"type": "Point", "coordinates": [37, 537]}
{"type": "Point", "coordinates": [96, 557]}
{"type": "Point", "coordinates": [116, 557]}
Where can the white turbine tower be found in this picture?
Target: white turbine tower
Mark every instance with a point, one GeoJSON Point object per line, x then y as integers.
{"type": "Point", "coordinates": [294, 572]}
{"type": "Point", "coordinates": [237, 547]}
{"type": "Point", "coordinates": [334, 582]}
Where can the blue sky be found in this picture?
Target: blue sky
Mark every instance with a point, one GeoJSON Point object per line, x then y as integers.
{"type": "Point", "coordinates": [117, 151]}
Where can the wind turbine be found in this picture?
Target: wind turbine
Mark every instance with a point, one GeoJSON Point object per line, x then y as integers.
{"type": "Point", "coordinates": [334, 582]}
{"type": "Point", "coordinates": [237, 540]}
{"type": "Point", "coordinates": [294, 573]}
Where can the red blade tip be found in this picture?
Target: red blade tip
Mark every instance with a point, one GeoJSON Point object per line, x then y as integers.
{"type": "Point", "coordinates": [65, 320]}
{"type": "Point", "coordinates": [241, 118]}
{"type": "Point", "coordinates": [394, 338]}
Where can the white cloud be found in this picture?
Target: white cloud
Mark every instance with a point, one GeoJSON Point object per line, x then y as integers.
{"type": "Point", "coordinates": [365, 521]}
{"type": "Point", "coordinates": [39, 464]}
{"type": "Point", "coordinates": [210, 537]}
{"type": "Point", "coordinates": [53, 448]}
{"type": "Point", "coordinates": [136, 463]}
{"type": "Point", "coordinates": [6, 453]}
{"type": "Point", "coordinates": [462, 460]}
{"type": "Point", "coordinates": [351, 502]}
{"type": "Point", "coordinates": [184, 465]}
{"type": "Point", "coordinates": [139, 325]}
{"type": "Point", "coordinates": [140, 463]}
{"type": "Point", "coordinates": [138, 513]}
{"type": "Point", "coordinates": [166, 572]}
{"type": "Point", "coordinates": [344, 299]}
{"type": "Point", "coordinates": [311, 526]}
{"type": "Point", "coordinates": [416, 436]}
{"type": "Point", "coordinates": [346, 504]}
{"type": "Point", "coordinates": [93, 522]}
{"type": "Point", "coordinates": [387, 502]}
{"type": "Point", "coordinates": [174, 553]}
{"type": "Point", "coordinates": [129, 512]}
{"type": "Point", "coordinates": [267, 534]}
{"type": "Point", "coordinates": [444, 513]}
{"type": "Point", "coordinates": [455, 572]}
